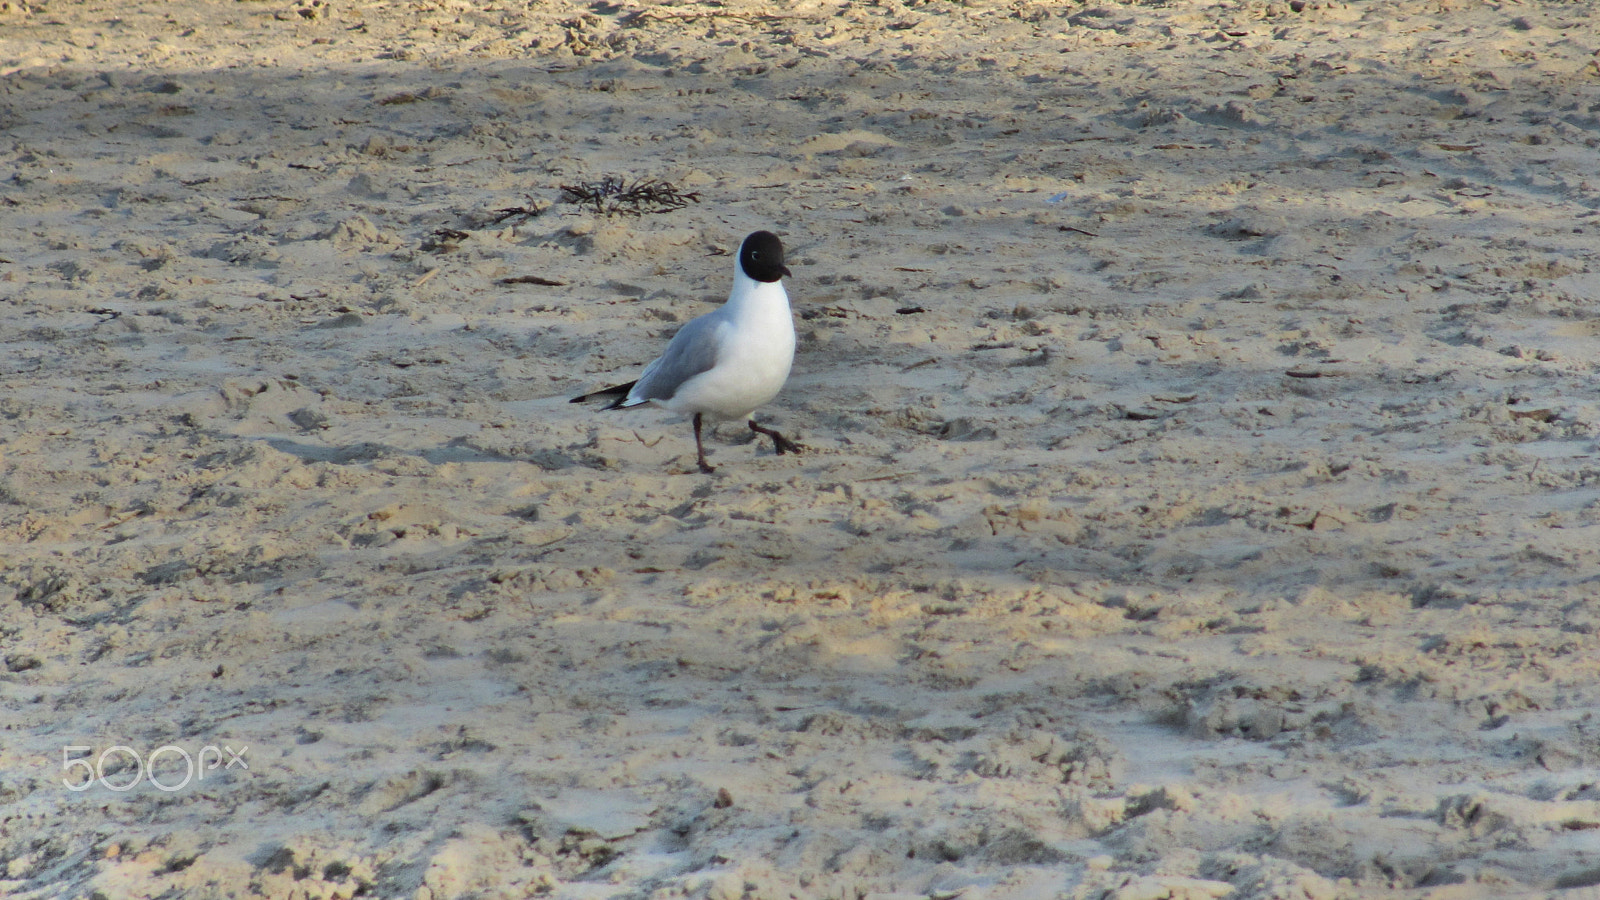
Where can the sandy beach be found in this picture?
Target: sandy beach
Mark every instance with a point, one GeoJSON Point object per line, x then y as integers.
{"type": "Point", "coordinates": [1201, 495]}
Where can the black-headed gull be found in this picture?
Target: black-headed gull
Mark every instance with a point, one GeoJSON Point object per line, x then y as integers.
{"type": "Point", "coordinates": [726, 363]}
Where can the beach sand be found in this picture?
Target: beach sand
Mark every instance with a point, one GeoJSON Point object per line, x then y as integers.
{"type": "Point", "coordinates": [1201, 495]}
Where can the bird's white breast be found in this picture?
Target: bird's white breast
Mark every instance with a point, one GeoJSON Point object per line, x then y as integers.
{"type": "Point", "coordinates": [755, 331]}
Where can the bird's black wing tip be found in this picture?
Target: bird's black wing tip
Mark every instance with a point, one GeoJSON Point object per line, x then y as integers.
{"type": "Point", "coordinates": [620, 391]}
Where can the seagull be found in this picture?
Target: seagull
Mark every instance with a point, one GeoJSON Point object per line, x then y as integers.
{"type": "Point", "coordinates": [724, 364]}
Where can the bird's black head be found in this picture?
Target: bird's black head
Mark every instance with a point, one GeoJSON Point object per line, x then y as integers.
{"type": "Point", "coordinates": [761, 257]}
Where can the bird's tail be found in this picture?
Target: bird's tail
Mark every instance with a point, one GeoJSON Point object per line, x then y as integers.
{"type": "Point", "coordinates": [618, 393]}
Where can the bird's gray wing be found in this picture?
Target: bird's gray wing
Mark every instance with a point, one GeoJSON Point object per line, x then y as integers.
{"type": "Point", "coordinates": [693, 350]}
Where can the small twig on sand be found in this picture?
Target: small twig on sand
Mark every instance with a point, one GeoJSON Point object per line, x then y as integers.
{"type": "Point", "coordinates": [613, 195]}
